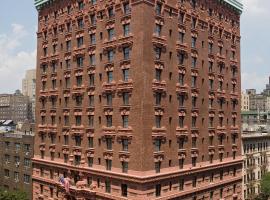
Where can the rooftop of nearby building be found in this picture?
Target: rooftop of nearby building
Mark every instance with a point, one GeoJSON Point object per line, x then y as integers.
{"type": "Point", "coordinates": [17, 134]}
{"type": "Point", "coordinates": [9, 127]}
{"type": "Point", "coordinates": [254, 134]}
{"type": "Point", "coordinates": [235, 4]}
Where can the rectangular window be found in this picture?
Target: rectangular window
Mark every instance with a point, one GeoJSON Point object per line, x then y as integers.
{"type": "Point", "coordinates": [124, 167]}
{"type": "Point", "coordinates": [109, 76]}
{"type": "Point", "coordinates": [27, 162]}
{"type": "Point", "coordinates": [126, 8]}
{"type": "Point", "coordinates": [181, 184]}
{"type": "Point", "coordinates": [79, 42]}
{"type": "Point", "coordinates": [110, 34]}
{"type": "Point", "coordinates": [158, 97]}
{"type": "Point", "coordinates": [158, 9]}
{"type": "Point", "coordinates": [158, 30]}
{"type": "Point", "coordinates": [90, 161]}
{"type": "Point", "coordinates": [124, 144]}
{"type": "Point", "coordinates": [78, 120]}
{"type": "Point", "coordinates": [77, 160]}
{"type": "Point", "coordinates": [110, 56]}
{"type": "Point", "coordinates": [109, 143]}
{"type": "Point", "coordinates": [108, 186]}
{"type": "Point", "coordinates": [193, 42]}
{"type": "Point", "coordinates": [26, 178]}
{"type": "Point", "coordinates": [125, 98]}
{"type": "Point", "coordinates": [157, 145]}
{"type": "Point", "coordinates": [78, 140]}
{"type": "Point", "coordinates": [108, 165]}
{"type": "Point", "coordinates": [158, 53]}
{"type": "Point", "coordinates": [79, 61]}
{"type": "Point", "coordinates": [109, 120]}
{"type": "Point", "coordinates": [125, 75]}
{"type": "Point", "coordinates": [126, 28]}
{"type": "Point", "coordinates": [111, 12]}
{"type": "Point", "coordinates": [126, 52]}
{"type": "Point", "coordinates": [181, 37]}
{"type": "Point", "coordinates": [92, 59]}
{"type": "Point", "coordinates": [93, 39]}
{"type": "Point", "coordinates": [125, 121]}
{"type": "Point", "coordinates": [158, 121]}
{"type": "Point", "coordinates": [158, 74]}
{"type": "Point", "coordinates": [158, 190]}
{"type": "Point", "coordinates": [157, 166]}
{"type": "Point", "coordinates": [91, 79]}
{"type": "Point", "coordinates": [90, 142]}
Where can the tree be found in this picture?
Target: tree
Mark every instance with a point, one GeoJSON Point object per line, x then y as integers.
{"type": "Point", "coordinates": [12, 195]}
{"type": "Point", "coordinates": [265, 187]}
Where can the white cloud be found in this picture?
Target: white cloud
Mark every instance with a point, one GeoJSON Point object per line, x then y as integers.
{"type": "Point", "coordinates": [255, 7]}
{"type": "Point", "coordinates": [13, 63]}
{"type": "Point", "coordinates": [254, 80]}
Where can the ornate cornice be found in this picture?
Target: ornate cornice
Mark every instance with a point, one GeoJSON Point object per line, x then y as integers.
{"type": "Point", "coordinates": [234, 4]}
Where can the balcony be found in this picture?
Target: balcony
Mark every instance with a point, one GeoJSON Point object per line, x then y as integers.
{"type": "Point", "coordinates": [80, 189]}
{"type": "Point", "coordinates": [109, 44]}
{"type": "Point", "coordinates": [181, 46]}
{"type": "Point", "coordinates": [53, 92]}
{"type": "Point", "coordinates": [159, 41]}
{"type": "Point", "coordinates": [159, 132]}
{"type": "Point", "coordinates": [77, 129]}
{"type": "Point", "coordinates": [125, 40]}
{"type": "Point", "coordinates": [109, 87]}
{"type": "Point", "coordinates": [181, 89]}
{"type": "Point", "coordinates": [42, 128]}
{"type": "Point", "coordinates": [221, 130]}
{"type": "Point", "coordinates": [221, 57]}
{"type": "Point", "coordinates": [109, 131]}
{"type": "Point", "coordinates": [52, 128]}
{"type": "Point", "coordinates": [233, 62]}
{"type": "Point", "coordinates": [79, 50]}
{"type": "Point", "coordinates": [78, 90]}
{"type": "Point", "coordinates": [182, 131]}
{"type": "Point", "coordinates": [159, 86]}
{"type": "Point", "coordinates": [125, 85]}
{"type": "Point", "coordinates": [121, 131]}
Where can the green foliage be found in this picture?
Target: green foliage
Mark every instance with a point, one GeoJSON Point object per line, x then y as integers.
{"type": "Point", "coordinates": [12, 195]}
{"type": "Point", "coordinates": [265, 187]}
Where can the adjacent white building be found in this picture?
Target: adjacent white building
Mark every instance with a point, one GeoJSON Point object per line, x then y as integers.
{"type": "Point", "coordinates": [256, 152]}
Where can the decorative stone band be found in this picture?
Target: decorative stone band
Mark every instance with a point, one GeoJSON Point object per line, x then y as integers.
{"type": "Point", "coordinates": [234, 4]}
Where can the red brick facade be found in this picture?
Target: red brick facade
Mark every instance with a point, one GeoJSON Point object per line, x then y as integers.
{"type": "Point", "coordinates": [138, 100]}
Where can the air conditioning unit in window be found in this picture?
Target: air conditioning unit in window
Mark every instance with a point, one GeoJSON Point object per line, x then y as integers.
{"type": "Point", "coordinates": [17, 164]}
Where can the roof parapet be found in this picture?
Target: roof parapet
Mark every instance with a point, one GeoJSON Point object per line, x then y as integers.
{"type": "Point", "coordinates": [235, 4]}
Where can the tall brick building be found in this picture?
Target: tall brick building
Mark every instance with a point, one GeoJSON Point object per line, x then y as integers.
{"type": "Point", "coordinates": [138, 99]}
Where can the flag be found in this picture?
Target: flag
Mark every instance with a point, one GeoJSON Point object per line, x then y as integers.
{"type": "Point", "coordinates": [65, 183]}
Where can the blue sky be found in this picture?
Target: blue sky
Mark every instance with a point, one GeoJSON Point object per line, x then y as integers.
{"type": "Point", "coordinates": [18, 43]}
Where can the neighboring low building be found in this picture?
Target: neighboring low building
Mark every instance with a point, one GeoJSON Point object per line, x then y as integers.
{"type": "Point", "coordinates": [253, 118]}
{"type": "Point", "coordinates": [257, 102]}
{"type": "Point", "coordinates": [16, 152]}
{"type": "Point", "coordinates": [15, 107]}
{"type": "Point", "coordinates": [244, 102]}
{"type": "Point", "coordinates": [256, 154]}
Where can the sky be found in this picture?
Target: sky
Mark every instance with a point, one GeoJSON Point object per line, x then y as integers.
{"type": "Point", "coordinates": [18, 43]}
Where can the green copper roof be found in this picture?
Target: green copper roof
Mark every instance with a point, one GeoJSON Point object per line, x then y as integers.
{"type": "Point", "coordinates": [236, 4]}
{"type": "Point", "coordinates": [233, 3]}
{"type": "Point", "coordinates": [40, 3]}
